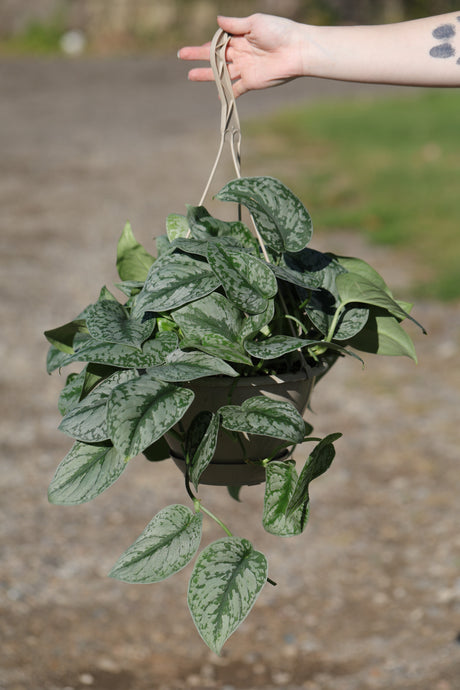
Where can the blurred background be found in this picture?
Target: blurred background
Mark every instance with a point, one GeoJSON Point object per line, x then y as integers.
{"type": "Point", "coordinates": [99, 125]}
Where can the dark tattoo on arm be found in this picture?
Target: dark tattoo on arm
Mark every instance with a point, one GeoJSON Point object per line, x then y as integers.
{"type": "Point", "coordinates": [444, 49]}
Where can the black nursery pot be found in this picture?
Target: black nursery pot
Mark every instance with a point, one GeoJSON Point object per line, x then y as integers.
{"type": "Point", "coordinates": [231, 465]}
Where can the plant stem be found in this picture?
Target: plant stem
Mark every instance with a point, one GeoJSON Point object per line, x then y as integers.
{"type": "Point", "coordinates": [200, 507]}
{"type": "Point", "coordinates": [334, 322]}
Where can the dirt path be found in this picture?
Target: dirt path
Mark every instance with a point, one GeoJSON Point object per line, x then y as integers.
{"type": "Point", "coordinates": [369, 596]}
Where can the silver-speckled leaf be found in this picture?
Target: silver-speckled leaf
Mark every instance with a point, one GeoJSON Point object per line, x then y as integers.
{"type": "Point", "coordinates": [87, 420]}
{"type": "Point", "coordinates": [85, 472]}
{"type": "Point", "coordinates": [140, 411]}
{"type": "Point", "coordinates": [321, 309]}
{"type": "Point", "coordinates": [70, 394]}
{"type": "Point", "coordinates": [277, 346]}
{"type": "Point", "coordinates": [255, 322]}
{"type": "Point", "coordinates": [281, 480]}
{"type": "Point", "coordinates": [219, 346]}
{"type": "Point", "coordinates": [174, 280]}
{"type": "Point", "coordinates": [200, 443]}
{"type": "Point", "coordinates": [266, 417]}
{"type": "Point", "coordinates": [211, 314]}
{"type": "Point", "coordinates": [317, 463]}
{"type": "Point", "coordinates": [226, 581]}
{"type": "Point", "coordinates": [165, 546]}
{"type": "Point", "coordinates": [109, 322]}
{"type": "Point", "coordinates": [176, 226]}
{"type": "Point", "coordinates": [152, 353]}
{"type": "Point", "coordinates": [281, 218]}
{"type": "Point", "coordinates": [187, 366]}
{"type": "Point", "coordinates": [248, 282]}
{"type": "Point", "coordinates": [133, 261]}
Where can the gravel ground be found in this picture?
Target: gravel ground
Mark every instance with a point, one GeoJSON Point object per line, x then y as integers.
{"type": "Point", "coordinates": [369, 597]}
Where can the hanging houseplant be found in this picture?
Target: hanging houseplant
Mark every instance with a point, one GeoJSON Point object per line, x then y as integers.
{"type": "Point", "coordinates": [210, 358]}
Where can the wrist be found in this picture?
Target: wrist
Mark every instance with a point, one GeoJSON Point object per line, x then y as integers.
{"type": "Point", "coordinates": [316, 60]}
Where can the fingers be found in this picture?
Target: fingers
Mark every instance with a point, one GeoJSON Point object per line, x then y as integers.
{"type": "Point", "coordinates": [194, 52]}
{"type": "Point", "coordinates": [201, 74]}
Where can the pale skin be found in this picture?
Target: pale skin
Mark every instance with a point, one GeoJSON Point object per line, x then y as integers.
{"type": "Point", "coordinates": [266, 50]}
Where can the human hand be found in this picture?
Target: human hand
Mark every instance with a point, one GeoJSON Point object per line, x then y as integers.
{"type": "Point", "coordinates": [263, 51]}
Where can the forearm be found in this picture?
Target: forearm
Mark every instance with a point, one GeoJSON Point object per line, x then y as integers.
{"type": "Point", "coordinates": [423, 52]}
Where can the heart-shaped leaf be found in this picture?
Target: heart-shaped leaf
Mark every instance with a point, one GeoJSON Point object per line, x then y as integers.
{"type": "Point", "coordinates": [211, 314]}
{"type": "Point", "coordinates": [218, 346]}
{"type": "Point", "coordinates": [281, 218]}
{"type": "Point", "coordinates": [87, 420]}
{"type": "Point", "coordinates": [187, 366]}
{"type": "Point", "coordinates": [200, 444]}
{"type": "Point", "coordinates": [152, 353]}
{"type": "Point", "coordinates": [318, 462]}
{"type": "Point", "coordinates": [383, 335]}
{"type": "Point", "coordinates": [165, 546]}
{"type": "Point", "coordinates": [85, 472]}
{"type": "Point", "coordinates": [352, 287]}
{"type": "Point", "coordinates": [248, 282]}
{"type": "Point", "coordinates": [133, 261]}
{"type": "Point", "coordinates": [277, 346]}
{"type": "Point", "coordinates": [109, 322]}
{"type": "Point", "coordinates": [140, 411]}
{"type": "Point", "coordinates": [176, 226]}
{"type": "Point", "coordinates": [226, 581]}
{"type": "Point", "coordinates": [281, 480]}
{"type": "Point", "coordinates": [174, 280]}
{"type": "Point", "coordinates": [264, 416]}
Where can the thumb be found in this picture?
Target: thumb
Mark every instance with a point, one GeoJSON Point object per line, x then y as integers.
{"type": "Point", "coordinates": [237, 26]}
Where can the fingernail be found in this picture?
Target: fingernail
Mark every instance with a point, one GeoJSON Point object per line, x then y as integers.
{"type": "Point", "coordinates": [178, 53]}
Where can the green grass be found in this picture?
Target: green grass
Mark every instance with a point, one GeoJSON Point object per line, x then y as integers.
{"type": "Point", "coordinates": [387, 167]}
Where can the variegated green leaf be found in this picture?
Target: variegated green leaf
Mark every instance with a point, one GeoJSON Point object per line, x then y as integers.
{"type": "Point", "coordinates": [218, 346]}
{"type": "Point", "coordinates": [87, 420]}
{"type": "Point", "coordinates": [56, 359]}
{"type": "Point", "coordinates": [190, 245]}
{"type": "Point", "coordinates": [214, 314]}
{"type": "Point", "coordinates": [281, 480]}
{"type": "Point", "coordinates": [310, 269]}
{"type": "Point", "coordinates": [133, 261]}
{"type": "Point", "coordinates": [318, 462]}
{"type": "Point", "coordinates": [165, 546]}
{"type": "Point", "coordinates": [85, 472]}
{"type": "Point", "coordinates": [226, 581]}
{"type": "Point", "coordinates": [176, 226]}
{"type": "Point", "coordinates": [187, 366]}
{"type": "Point", "coordinates": [130, 287]}
{"type": "Point", "coordinates": [264, 416]}
{"type": "Point", "coordinates": [109, 322]}
{"type": "Point", "coordinates": [280, 217]}
{"type": "Point", "coordinates": [248, 282]}
{"type": "Point", "coordinates": [254, 323]}
{"type": "Point", "coordinates": [277, 346]}
{"type": "Point", "coordinates": [152, 353]}
{"type": "Point", "coordinates": [140, 411]}
{"type": "Point", "coordinates": [200, 444]}
{"type": "Point", "coordinates": [70, 394]}
{"type": "Point", "coordinates": [174, 280]}
{"type": "Point", "coordinates": [321, 310]}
